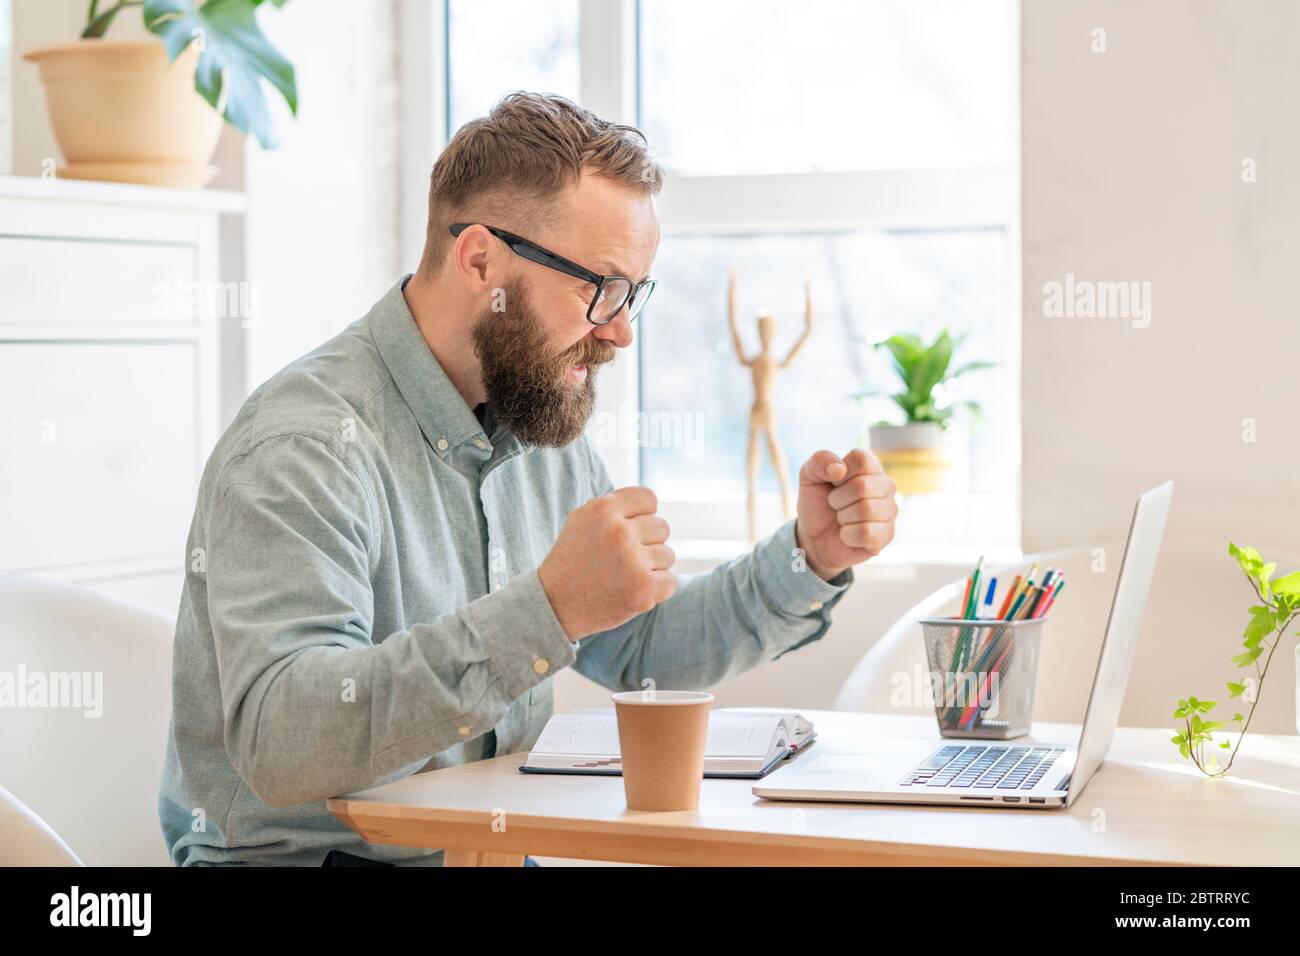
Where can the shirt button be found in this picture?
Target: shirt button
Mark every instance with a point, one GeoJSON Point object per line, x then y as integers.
{"type": "Point", "coordinates": [540, 666]}
{"type": "Point", "coordinates": [442, 444]}
{"type": "Point", "coordinates": [815, 606]}
{"type": "Point", "coordinates": [464, 731]}
{"type": "Point", "coordinates": [481, 443]}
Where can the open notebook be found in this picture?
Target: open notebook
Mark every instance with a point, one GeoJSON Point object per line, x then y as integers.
{"type": "Point", "coordinates": [742, 743]}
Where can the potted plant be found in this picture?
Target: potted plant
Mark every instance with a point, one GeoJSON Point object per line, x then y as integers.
{"type": "Point", "coordinates": [136, 112]}
{"type": "Point", "coordinates": [914, 452]}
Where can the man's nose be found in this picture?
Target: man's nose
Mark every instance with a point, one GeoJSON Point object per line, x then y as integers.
{"type": "Point", "coordinates": [618, 332]}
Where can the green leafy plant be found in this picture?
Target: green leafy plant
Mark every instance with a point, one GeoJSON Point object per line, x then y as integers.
{"type": "Point", "coordinates": [922, 369]}
{"type": "Point", "coordinates": [1279, 605]}
{"type": "Point", "coordinates": [234, 54]}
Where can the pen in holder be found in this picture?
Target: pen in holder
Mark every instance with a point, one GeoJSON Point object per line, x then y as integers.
{"type": "Point", "coordinates": [983, 674]}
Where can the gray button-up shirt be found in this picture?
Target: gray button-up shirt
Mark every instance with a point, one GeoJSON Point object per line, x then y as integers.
{"type": "Point", "coordinates": [362, 601]}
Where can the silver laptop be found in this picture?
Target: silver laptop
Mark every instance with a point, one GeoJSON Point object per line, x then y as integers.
{"type": "Point", "coordinates": [993, 773]}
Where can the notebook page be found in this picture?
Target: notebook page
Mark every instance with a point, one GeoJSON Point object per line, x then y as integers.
{"type": "Point", "coordinates": [797, 727]}
{"type": "Point", "coordinates": [592, 735]}
{"type": "Point", "coordinates": [740, 736]}
{"type": "Point", "coordinates": [595, 734]}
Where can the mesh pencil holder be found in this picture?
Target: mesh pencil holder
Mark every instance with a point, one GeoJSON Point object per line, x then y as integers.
{"type": "Point", "coordinates": [982, 674]}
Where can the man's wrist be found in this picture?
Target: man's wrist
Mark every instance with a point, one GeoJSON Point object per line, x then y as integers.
{"type": "Point", "coordinates": [825, 574]}
{"type": "Point", "coordinates": [819, 569]}
{"type": "Point", "coordinates": [815, 566]}
{"type": "Point", "coordinates": [572, 629]}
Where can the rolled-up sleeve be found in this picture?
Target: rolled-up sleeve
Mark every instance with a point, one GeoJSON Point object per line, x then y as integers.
{"type": "Point", "coordinates": [315, 705]}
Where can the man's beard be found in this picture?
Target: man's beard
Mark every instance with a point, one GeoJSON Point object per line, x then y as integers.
{"type": "Point", "coordinates": [526, 381]}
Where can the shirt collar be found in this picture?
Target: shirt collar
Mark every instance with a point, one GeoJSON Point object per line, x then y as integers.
{"type": "Point", "coordinates": [439, 408]}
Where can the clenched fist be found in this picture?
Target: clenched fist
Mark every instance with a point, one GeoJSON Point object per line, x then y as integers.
{"type": "Point", "coordinates": [610, 563]}
{"type": "Point", "coordinates": [846, 510]}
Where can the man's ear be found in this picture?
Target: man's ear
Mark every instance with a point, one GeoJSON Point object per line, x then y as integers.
{"type": "Point", "coordinates": [473, 258]}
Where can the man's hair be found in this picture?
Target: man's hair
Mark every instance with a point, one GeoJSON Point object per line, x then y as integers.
{"type": "Point", "coordinates": [512, 164]}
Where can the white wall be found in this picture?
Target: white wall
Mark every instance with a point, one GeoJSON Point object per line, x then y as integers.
{"type": "Point", "coordinates": [322, 228]}
{"type": "Point", "coordinates": [6, 71]}
{"type": "Point", "coordinates": [1132, 171]}
{"type": "Point", "coordinates": [41, 23]}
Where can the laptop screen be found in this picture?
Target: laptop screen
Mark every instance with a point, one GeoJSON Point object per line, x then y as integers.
{"type": "Point", "coordinates": [1122, 629]}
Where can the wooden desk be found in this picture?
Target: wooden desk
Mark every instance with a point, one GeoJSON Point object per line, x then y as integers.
{"type": "Point", "coordinates": [1144, 806]}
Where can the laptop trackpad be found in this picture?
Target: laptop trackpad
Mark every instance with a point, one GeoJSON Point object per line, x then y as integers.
{"type": "Point", "coordinates": [851, 763]}
{"type": "Point", "coordinates": [884, 766]}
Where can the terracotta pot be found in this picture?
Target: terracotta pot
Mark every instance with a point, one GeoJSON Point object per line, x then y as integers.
{"type": "Point", "coordinates": [914, 455]}
{"type": "Point", "coordinates": [121, 112]}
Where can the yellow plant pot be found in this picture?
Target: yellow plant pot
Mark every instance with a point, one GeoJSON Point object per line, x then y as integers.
{"type": "Point", "coordinates": [917, 471]}
{"type": "Point", "coordinates": [121, 112]}
{"type": "Point", "coordinates": [915, 456]}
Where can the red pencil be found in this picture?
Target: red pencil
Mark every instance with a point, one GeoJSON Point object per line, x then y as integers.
{"type": "Point", "coordinates": [1051, 598]}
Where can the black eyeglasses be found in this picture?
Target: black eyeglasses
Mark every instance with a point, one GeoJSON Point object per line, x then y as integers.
{"type": "Point", "coordinates": [612, 292]}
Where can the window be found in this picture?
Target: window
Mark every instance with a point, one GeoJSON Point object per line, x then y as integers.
{"type": "Point", "coordinates": [861, 282]}
{"type": "Point", "coordinates": [538, 52]}
{"type": "Point", "coordinates": [867, 146]}
{"type": "Point", "coordinates": [746, 86]}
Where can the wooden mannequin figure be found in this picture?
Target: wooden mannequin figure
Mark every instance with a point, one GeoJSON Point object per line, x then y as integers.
{"type": "Point", "coordinates": [762, 415]}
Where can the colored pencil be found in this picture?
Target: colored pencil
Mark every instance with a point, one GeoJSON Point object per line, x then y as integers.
{"type": "Point", "coordinates": [1011, 596]}
{"type": "Point", "coordinates": [968, 612]}
{"type": "Point", "coordinates": [1051, 599]}
{"type": "Point", "coordinates": [968, 716]}
{"type": "Point", "coordinates": [1020, 600]}
{"type": "Point", "coordinates": [1039, 593]}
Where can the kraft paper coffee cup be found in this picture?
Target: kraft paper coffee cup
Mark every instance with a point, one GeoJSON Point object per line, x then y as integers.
{"type": "Point", "coordinates": [662, 735]}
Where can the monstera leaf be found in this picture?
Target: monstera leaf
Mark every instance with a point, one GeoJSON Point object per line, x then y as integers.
{"type": "Point", "coordinates": [234, 56]}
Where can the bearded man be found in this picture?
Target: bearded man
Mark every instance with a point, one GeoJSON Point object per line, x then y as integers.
{"type": "Point", "coordinates": [405, 534]}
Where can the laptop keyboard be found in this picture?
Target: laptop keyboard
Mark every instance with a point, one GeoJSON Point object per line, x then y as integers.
{"type": "Point", "coordinates": [984, 767]}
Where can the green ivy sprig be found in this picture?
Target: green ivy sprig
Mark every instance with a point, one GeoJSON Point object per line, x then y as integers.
{"type": "Point", "coordinates": [1279, 606]}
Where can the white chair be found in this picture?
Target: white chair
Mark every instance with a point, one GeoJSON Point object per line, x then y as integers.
{"type": "Point", "coordinates": [26, 839]}
{"type": "Point", "coordinates": [93, 780]}
{"type": "Point", "coordinates": [1194, 619]}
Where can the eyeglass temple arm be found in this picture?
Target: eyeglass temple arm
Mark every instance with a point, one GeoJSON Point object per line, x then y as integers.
{"type": "Point", "coordinates": [534, 252]}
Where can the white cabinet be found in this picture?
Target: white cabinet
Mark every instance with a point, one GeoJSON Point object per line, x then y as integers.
{"type": "Point", "coordinates": [109, 379]}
